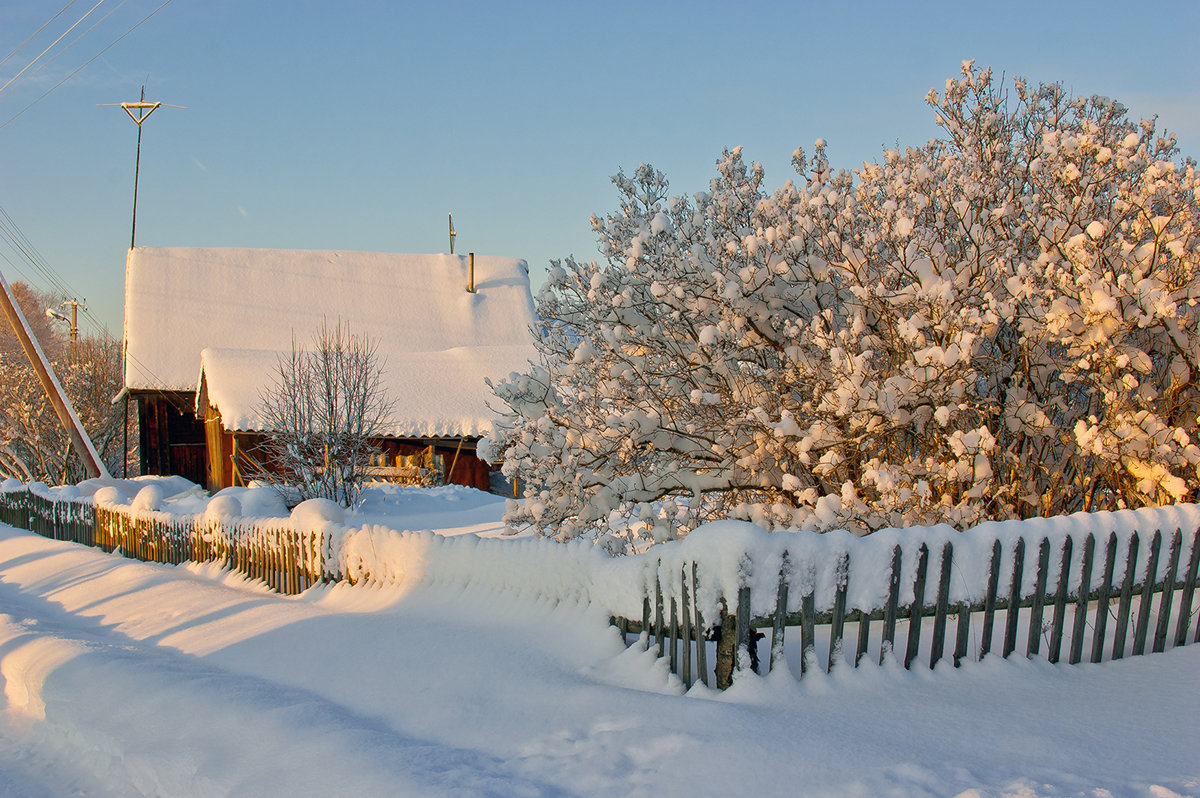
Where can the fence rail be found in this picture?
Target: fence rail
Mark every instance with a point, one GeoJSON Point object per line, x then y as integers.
{"type": "Point", "coordinates": [1149, 608]}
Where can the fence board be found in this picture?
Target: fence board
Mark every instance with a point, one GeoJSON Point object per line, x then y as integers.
{"type": "Point", "coordinates": [808, 630]}
{"type": "Point", "coordinates": [1168, 593]}
{"type": "Point", "coordinates": [838, 624]}
{"type": "Point", "coordinates": [1060, 602]}
{"type": "Point", "coordinates": [1147, 596]}
{"type": "Point", "coordinates": [701, 638]}
{"type": "Point", "coordinates": [780, 617]}
{"type": "Point", "coordinates": [893, 600]}
{"type": "Point", "coordinates": [1099, 624]}
{"type": "Point", "coordinates": [1085, 589]}
{"type": "Point", "coordinates": [1014, 598]}
{"type": "Point", "coordinates": [989, 602]}
{"type": "Point", "coordinates": [942, 605]}
{"type": "Point", "coordinates": [743, 625]}
{"type": "Point", "coordinates": [1034, 642]}
{"type": "Point", "coordinates": [1122, 627]}
{"type": "Point", "coordinates": [918, 609]}
{"type": "Point", "coordinates": [685, 663]}
{"type": "Point", "coordinates": [1189, 589]}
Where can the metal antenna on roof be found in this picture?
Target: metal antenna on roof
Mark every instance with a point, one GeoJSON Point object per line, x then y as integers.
{"type": "Point", "coordinates": [452, 233]}
{"type": "Point", "coordinates": [144, 109]}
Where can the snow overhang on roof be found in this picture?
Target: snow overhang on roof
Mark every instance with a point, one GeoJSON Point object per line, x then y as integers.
{"type": "Point", "coordinates": [435, 394]}
{"type": "Point", "coordinates": [180, 301]}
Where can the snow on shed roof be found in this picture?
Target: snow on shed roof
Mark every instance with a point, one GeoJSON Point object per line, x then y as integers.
{"type": "Point", "coordinates": [179, 301]}
{"type": "Point", "coordinates": [436, 394]}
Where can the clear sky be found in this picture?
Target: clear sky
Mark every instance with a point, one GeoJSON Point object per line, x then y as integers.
{"type": "Point", "coordinates": [360, 125]}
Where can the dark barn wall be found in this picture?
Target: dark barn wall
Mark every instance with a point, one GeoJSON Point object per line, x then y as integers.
{"type": "Point", "coordinates": [171, 437]}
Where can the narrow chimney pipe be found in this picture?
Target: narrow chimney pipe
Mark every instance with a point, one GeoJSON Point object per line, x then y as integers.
{"type": "Point", "coordinates": [471, 272]}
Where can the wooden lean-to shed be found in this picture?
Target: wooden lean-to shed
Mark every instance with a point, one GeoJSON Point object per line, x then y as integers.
{"type": "Point", "coordinates": [204, 330]}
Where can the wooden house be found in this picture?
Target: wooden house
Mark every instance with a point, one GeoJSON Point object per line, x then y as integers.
{"type": "Point", "coordinates": [205, 328]}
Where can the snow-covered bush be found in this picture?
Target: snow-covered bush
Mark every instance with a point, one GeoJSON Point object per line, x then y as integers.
{"type": "Point", "coordinates": [1002, 323]}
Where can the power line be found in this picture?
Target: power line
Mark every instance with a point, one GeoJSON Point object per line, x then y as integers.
{"type": "Point", "coordinates": [17, 115]}
{"type": "Point", "coordinates": [35, 34]}
{"type": "Point", "coordinates": [74, 41]}
{"type": "Point", "coordinates": [50, 46]}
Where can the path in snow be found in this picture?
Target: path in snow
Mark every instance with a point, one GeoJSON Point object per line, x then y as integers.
{"type": "Point", "coordinates": [124, 678]}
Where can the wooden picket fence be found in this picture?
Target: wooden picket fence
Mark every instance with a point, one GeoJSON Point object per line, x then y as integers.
{"type": "Point", "coordinates": [1139, 606]}
{"type": "Point", "coordinates": [288, 560]}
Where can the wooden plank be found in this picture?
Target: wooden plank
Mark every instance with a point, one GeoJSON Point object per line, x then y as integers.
{"type": "Point", "coordinates": [1034, 644]}
{"type": "Point", "coordinates": [1147, 596]}
{"type": "Point", "coordinates": [1099, 625]}
{"type": "Point", "coordinates": [659, 622]}
{"type": "Point", "coordinates": [673, 637]}
{"type": "Point", "coordinates": [1168, 593]}
{"type": "Point", "coordinates": [917, 611]}
{"type": "Point", "coordinates": [942, 606]}
{"type": "Point", "coordinates": [962, 633]}
{"type": "Point", "coordinates": [1189, 588]}
{"type": "Point", "coordinates": [701, 641]}
{"type": "Point", "coordinates": [1085, 589]}
{"type": "Point", "coordinates": [780, 618]}
{"type": "Point", "coordinates": [1014, 598]}
{"type": "Point", "coordinates": [837, 627]}
{"type": "Point", "coordinates": [891, 609]}
{"type": "Point", "coordinates": [1131, 554]}
{"type": "Point", "coordinates": [989, 602]}
{"type": "Point", "coordinates": [685, 602]}
{"type": "Point", "coordinates": [1060, 601]}
{"type": "Point", "coordinates": [743, 625]}
{"type": "Point", "coordinates": [808, 630]}
{"type": "Point", "coordinates": [864, 636]}
{"type": "Point", "coordinates": [646, 623]}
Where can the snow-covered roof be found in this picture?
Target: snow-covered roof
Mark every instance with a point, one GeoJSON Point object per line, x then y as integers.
{"type": "Point", "coordinates": [438, 339]}
{"type": "Point", "coordinates": [435, 394]}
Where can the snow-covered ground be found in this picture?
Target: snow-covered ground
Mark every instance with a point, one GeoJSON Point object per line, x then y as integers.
{"type": "Point", "coordinates": [124, 678]}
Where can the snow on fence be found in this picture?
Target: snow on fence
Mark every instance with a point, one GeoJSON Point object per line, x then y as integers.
{"type": "Point", "coordinates": [1088, 586]}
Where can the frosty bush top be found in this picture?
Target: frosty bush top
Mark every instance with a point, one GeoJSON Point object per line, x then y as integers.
{"type": "Point", "coordinates": [1001, 323]}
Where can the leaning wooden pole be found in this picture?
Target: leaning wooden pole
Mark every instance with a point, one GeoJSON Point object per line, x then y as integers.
{"type": "Point", "coordinates": [54, 392]}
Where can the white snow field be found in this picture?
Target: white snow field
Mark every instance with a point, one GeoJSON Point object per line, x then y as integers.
{"type": "Point", "coordinates": [123, 678]}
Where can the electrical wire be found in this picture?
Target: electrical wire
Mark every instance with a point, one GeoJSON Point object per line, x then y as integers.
{"type": "Point", "coordinates": [50, 46]}
{"type": "Point", "coordinates": [85, 64]}
{"type": "Point", "coordinates": [35, 34]}
{"type": "Point", "coordinates": [74, 41]}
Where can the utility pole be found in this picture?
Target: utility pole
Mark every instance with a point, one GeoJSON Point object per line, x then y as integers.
{"type": "Point", "coordinates": [144, 109]}
{"type": "Point", "coordinates": [50, 384]}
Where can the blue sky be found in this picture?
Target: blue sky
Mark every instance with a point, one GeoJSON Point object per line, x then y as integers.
{"type": "Point", "coordinates": [360, 125]}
